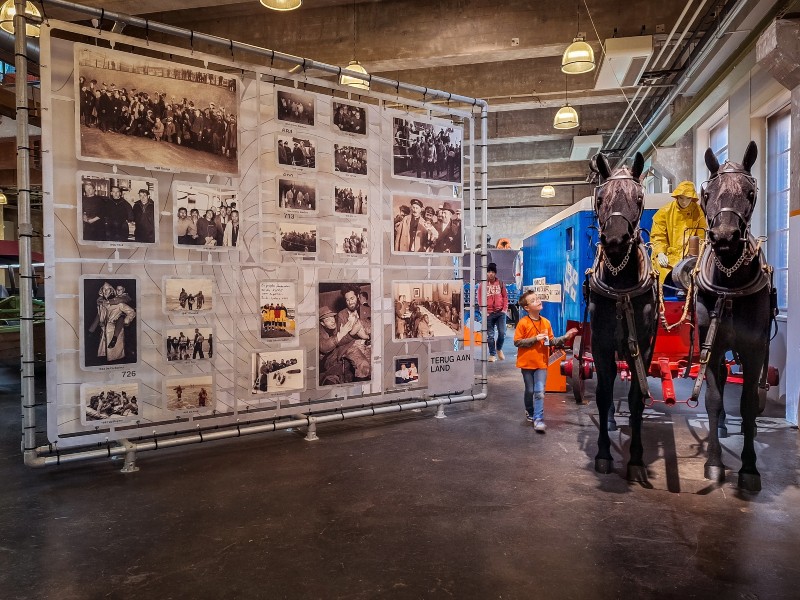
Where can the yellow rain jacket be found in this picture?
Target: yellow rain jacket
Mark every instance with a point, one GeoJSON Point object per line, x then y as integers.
{"type": "Point", "coordinates": [672, 227]}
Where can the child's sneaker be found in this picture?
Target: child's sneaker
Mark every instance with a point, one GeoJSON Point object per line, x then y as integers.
{"type": "Point", "coordinates": [529, 418]}
{"type": "Point", "coordinates": [492, 358]}
{"type": "Point", "coordinates": [539, 426]}
{"type": "Point", "coordinates": [500, 355]}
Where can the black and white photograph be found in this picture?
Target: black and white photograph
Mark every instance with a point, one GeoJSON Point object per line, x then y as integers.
{"type": "Point", "coordinates": [109, 403]}
{"type": "Point", "coordinates": [189, 343]}
{"type": "Point", "coordinates": [278, 372]}
{"type": "Point", "coordinates": [426, 224]}
{"type": "Point", "coordinates": [349, 118]}
{"type": "Point", "coordinates": [350, 199]}
{"type": "Point", "coordinates": [351, 160]}
{"type": "Point", "coordinates": [189, 395]}
{"type": "Point", "coordinates": [278, 303]}
{"type": "Point", "coordinates": [296, 152]}
{"type": "Point", "coordinates": [345, 333]}
{"type": "Point", "coordinates": [428, 151]}
{"type": "Point", "coordinates": [406, 370]}
{"type": "Point", "coordinates": [141, 111]}
{"type": "Point", "coordinates": [297, 194]}
{"type": "Point", "coordinates": [117, 211]}
{"type": "Point", "coordinates": [205, 218]}
{"type": "Point", "coordinates": [351, 240]}
{"type": "Point", "coordinates": [425, 310]}
{"type": "Point", "coordinates": [295, 107]}
{"type": "Point", "coordinates": [188, 295]}
{"type": "Point", "coordinates": [298, 237]}
{"type": "Point", "coordinates": [109, 321]}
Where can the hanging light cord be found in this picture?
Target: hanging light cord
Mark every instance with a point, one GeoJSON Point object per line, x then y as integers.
{"type": "Point", "coordinates": [354, 29]}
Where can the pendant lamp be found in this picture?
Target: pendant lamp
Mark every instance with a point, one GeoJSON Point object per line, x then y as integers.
{"type": "Point", "coordinates": [548, 191]}
{"type": "Point", "coordinates": [3, 198]}
{"type": "Point", "coordinates": [566, 117]}
{"type": "Point", "coordinates": [578, 57]}
{"type": "Point", "coordinates": [8, 11]}
{"type": "Point", "coordinates": [281, 4]}
{"type": "Point", "coordinates": [354, 65]}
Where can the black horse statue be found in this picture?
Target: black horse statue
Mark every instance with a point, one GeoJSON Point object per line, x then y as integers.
{"type": "Point", "coordinates": [735, 306]}
{"type": "Point", "coordinates": [622, 303]}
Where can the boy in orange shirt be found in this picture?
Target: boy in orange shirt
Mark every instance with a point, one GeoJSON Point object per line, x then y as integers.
{"type": "Point", "coordinates": [534, 337]}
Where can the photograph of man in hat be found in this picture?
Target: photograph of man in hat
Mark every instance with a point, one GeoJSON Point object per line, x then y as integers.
{"type": "Point", "coordinates": [449, 240]}
{"type": "Point", "coordinates": [412, 233]}
{"type": "Point", "coordinates": [673, 225]}
{"type": "Point", "coordinates": [341, 359]}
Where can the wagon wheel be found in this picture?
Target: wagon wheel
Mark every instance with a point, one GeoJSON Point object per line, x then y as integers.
{"type": "Point", "coordinates": [577, 382]}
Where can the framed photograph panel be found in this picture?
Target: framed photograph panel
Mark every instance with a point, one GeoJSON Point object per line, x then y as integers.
{"type": "Point", "coordinates": [136, 110]}
{"type": "Point", "coordinates": [349, 118]}
{"type": "Point", "coordinates": [350, 160]}
{"type": "Point", "coordinates": [427, 150]}
{"type": "Point", "coordinates": [189, 395]}
{"type": "Point", "coordinates": [424, 310]}
{"type": "Point", "coordinates": [351, 240]}
{"type": "Point", "coordinates": [295, 194]}
{"type": "Point", "coordinates": [187, 344]}
{"type": "Point", "coordinates": [295, 106]}
{"type": "Point", "coordinates": [109, 404]}
{"type": "Point", "coordinates": [299, 152]}
{"type": "Point", "coordinates": [278, 320]}
{"type": "Point", "coordinates": [116, 211]}
{"type": "Point", "coordinates": [205, 218]}
{"type": "Point", "coordinates": [345, 333]}
{"type": "Point", "coordinates": [109, 322]}
{"type": "Point", "coordinates": [350, 199]}
{"type": "Point", "coordinates": [429, 225]}
{"type": "Point", "coordinates": [278, 372]}
{"type": "Point", "coordinates": [187, 295]}
{"type": "Point", "coordinates": [297, 238]}
{"type": "Point", "coordinates": [406, 371]}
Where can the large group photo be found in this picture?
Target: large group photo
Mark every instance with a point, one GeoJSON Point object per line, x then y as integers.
{"type": "Point", "coordinates": [110, 323]}
{"type": "Point", "coordinates": [205, 218]}
{"type": "Point", "coordinates": [426, 309]}
{"type": "Point", "coordinates": [297, 194]}
{"type": "Point", "coordinates": [116, 210]}
{"type": "Point", "coordinates": [109, 403]}
{"type": "Point", "coordinates": [345, 333]}
{"type": "Point", "coordinates": [296, 152]}
{"type": "Point", "coordinates": [278, 372]}
{"type": "Point", "coordinates": [427, 151]}
{"type": "Point", "coordinates": [142, 111]}
{"type": "Point", "coordinates": [426, 224]}
{"type": "Point", "coordinates": [298, 237]}
{"type": "Point", "coordinates": [349, 118]}
{"type": "Point", "coordinates": [350, 159]}
{"type": "Point", "coordinates": [295, 107]}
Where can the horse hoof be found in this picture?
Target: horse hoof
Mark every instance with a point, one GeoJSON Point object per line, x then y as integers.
{"type": "Point", "coordinates": [604, 465]}
{"type": "Point", "coordinates": [750, 482]}
{"type": "Point", "coordinates": [714, 473]}
{"type": "Point", "coordinates": [722, 432]}
{"type": "Point", "coordinates": [612, 425]}
{"type": "Point", "coordinates": [637, 473]}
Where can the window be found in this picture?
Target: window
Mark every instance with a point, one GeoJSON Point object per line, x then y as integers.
{"type": "Point", "coordinates": [718, 139]}
{"type": "Point", "coordinates": [779, 145]}
{"type": "Point", "coordinates": [570, 239]}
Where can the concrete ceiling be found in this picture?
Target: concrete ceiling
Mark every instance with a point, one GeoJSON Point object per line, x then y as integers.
{"type": "Point", "coordinates": [506, 52]}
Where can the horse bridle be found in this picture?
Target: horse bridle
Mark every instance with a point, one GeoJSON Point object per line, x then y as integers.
{"type": "Point", "coordinates": [633, 230]}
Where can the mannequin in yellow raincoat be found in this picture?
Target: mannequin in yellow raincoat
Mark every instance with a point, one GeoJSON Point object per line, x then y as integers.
{"type": "Point", "coordinates": [673, 224]}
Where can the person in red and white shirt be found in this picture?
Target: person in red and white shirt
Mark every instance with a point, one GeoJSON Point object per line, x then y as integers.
{"type": "Point", "coordinates": [496, 307]}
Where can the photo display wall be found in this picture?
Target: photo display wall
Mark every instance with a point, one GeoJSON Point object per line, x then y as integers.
{"type": "Point", "coordinates": [228, 247]}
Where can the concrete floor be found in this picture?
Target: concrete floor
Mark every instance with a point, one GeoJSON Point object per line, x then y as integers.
{"type": "Point", "coordinates": [476, 505]}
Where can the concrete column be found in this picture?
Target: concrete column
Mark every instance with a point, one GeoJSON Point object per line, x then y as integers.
{"type": "Point", "coordinates": [778, 51]}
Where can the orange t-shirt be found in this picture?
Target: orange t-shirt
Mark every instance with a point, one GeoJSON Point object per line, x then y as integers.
{"type": "Point", "coordinates": [533, 357]}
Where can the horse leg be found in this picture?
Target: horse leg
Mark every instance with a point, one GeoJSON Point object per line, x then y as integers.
{"type": "Point", "coordinates": [714, 469]}
{"type": "Point", "coordinates": [749, 477]}
{"type": "Point", "coordinates": [604, 396]}
{"type": "Point", "coordinates": [612, 422]}
{"type": "Point", "coordinates": [722, 429]}
{"type": "Point", "coordinates": [636, 468]}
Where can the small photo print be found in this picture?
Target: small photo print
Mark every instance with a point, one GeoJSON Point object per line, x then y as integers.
{"type": "Point", "coordinates": [345, 333]}
{"type": "Point", "coordinates": [117, 211]}
{"type": "Point", "coordinates": [189, 344]}
{"type": "Point", "coordinates": [350, 199]}
{"type": "Point", "coordinates": [189, 395]}
{"type": "Point", "coordinates": [426, 224]}
{"type": "Point", "coordinates": [109, 403]}
{"type": "Point", "coordinates": [295, 107]}
{"type": "Point", "coordinates": [427, 151]}
{"type": "Point", "coordinates": [109, 321]}
{"type": "Point", "coordinates": [278, 372]}
{"type": "Point", "coordinates": [295, 194]}
{"type": "Point", "coordinates": [298, 237]}
{"type": "Point", "coordinates": [205, 218]}
{"type": "Point", "coordinates": [278, 309]}
{"type": "Point", "coordinates": [426, 309]}
{"type": "Point", "coordinates": [406, 370]}
{"type": "Point", "coordinates": [349, 159]}
{"type": "Point", "coordinates": [297, 152]}
{"type": "Point", "coordinates": [188, 295]}
{"type": "Point", "coordinates": [351, 240]}
{"type": "Point", "coordinates": [349, 118]}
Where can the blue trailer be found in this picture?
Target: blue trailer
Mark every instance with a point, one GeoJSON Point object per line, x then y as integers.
{"type": "Point", "coordinates": [561, 249]}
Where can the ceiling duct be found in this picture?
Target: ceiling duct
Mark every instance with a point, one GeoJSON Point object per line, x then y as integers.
{"type": "Point", "coordinates": [585, 146]}
{"type": "Point", "coordinates": [624, 61]}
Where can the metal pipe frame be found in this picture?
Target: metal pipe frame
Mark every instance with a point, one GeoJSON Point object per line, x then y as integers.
{"type": "Point", "coordinates": [48, 456]}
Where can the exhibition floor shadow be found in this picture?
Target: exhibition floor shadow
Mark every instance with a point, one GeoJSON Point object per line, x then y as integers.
{"type": "Point", "coordinates": [475, 505]}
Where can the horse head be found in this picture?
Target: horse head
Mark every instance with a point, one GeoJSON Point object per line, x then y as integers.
{"type": "Point", "coordinates": [618, 205]}
{"type": "Point", "coordinates": [728, 199]}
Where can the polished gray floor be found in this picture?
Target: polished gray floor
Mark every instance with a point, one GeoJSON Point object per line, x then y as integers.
{"type": "Point", "coordinates": [476, 505]}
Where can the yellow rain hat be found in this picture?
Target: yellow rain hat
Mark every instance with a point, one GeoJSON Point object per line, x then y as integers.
{"type": "Point", "coordinates": [685, 188]}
